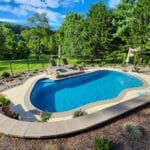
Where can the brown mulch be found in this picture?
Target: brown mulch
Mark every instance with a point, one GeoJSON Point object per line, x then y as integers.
{"type": "Point", "coordinates": [84, 141]}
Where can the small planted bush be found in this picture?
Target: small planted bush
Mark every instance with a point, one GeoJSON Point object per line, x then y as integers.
{"type": "Point", "coordinates": [3, 100]}
{"type": "Point", "coordinates": [6, 74]}
{"type": "Point", "coordinates": [102, 144]}
{"type": "Point", "coordinates": [79, 113]}
{"type": "Point", "coordinates": [133, 131]}
{"type": "Point", "coordinates": [102, 64]}
{"type": "Point", "coordinates": [45, 116]}
{"type": "Point", "coordinates": [15, 116]}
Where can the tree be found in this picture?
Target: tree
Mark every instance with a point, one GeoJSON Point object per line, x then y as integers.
{"type": "Point", "coordinates": [99, 29]}
{"type": "Point", "coordinates": [123, 21]}
{"type": "Point", "coordinates": [2, 40]}
{"type": "Point", "coordinates": [70, 35]}
{"type": "Point", "coordinates": [10, 44]}
{"type": "Point", "coordinates": [40, 31]}
{"type": "Point", "coordinates": [142, 24]}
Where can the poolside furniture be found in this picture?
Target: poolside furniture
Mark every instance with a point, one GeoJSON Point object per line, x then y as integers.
{"type": "Point", "coordinates": [68, 72]}
{"type": "Point", "coordinates": [67, 65]}
{"type": "Point", "coordinates": [53, 63]}
{"type": "Point", "coordinates": [135, 69]}
{"type": "Point", "coordinates": [62, 71]}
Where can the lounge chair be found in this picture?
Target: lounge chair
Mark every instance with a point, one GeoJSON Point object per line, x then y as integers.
{"type": "Point", "coordinates": [135, 69]}
{"type": "Point", "coordinates": [67, 65]}
{"type": "Point", "coordinates": [53, 63]}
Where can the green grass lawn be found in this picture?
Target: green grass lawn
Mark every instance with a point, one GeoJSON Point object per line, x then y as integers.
{"type": "Point", "coordinates": [22, 65]}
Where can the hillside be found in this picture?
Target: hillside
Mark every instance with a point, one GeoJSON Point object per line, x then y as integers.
{"type": "Point", "coordinates": [15, 27]}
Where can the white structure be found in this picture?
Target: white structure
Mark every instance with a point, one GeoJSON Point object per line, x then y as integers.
{"type": "Point", "coordinates": [131, 53]}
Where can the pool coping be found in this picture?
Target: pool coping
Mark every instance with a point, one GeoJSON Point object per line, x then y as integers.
{"type": "Point", "coordinates": [36, 130]}
{"type": "Point", "coordinates": [85, 108]}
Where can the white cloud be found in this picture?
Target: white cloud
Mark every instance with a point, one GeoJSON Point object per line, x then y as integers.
{"type": "Point", "coordinates": [53, 16]}
{"type": "Point", "coordinates": [113, 3]}
{"type": "Point", "coordinates": [69, 3]}
{"type": "Point", "coordinates": [14, 10]}
{"type": "Point", "coordinates": [48, 3]}
{"type": "Point", "coordinates": [26, 7]}
{"type": "Point", "coordinates": [8, 20]}
{"type": "Point", "coordinates": [52, 3]}
{"type": "Point", "coordinates": [40, 3]}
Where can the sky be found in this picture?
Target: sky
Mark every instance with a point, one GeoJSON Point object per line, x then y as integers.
{"type": "Point", "coordinates": [18, 11]}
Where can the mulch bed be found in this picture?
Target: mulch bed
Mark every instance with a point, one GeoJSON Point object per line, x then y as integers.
{"type": "Point", "coordinates": [84, 141]}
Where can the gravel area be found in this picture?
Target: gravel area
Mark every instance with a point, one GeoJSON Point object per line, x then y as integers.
{"type": "Point", "coordinates": [84, 141]}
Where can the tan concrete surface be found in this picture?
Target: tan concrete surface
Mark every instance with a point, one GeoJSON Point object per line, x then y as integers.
{"type": "Point", "coordinates": [17, 94]}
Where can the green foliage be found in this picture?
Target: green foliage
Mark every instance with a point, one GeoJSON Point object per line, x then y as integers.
{"type": "Point", "coordinates": [15, 115]}
{"type": "Point", "coordinates": [22, 65]}
{"type": "Point", "coordinates": [123, 59]}
{"type": "Point", "coordinates": [133, 131]}
{"type": "Point", "coordinates": [45, 116]}
{"type": "Point", "coordinates": [136, 57]}
{"type": "Point", "coordinates": [102, 63]}
{"type": "Point", "coordinates": [5, 74]}
{"type": "Point", "coordinates": [98, 24]}
{"type": "Point", "coordinates": [3, 100]}
{"type": "Point", "coordinates": [104, 34]}
{"type": "Point", "coordinates": [79, 113]}
{"type": "Point", "coordinates": [39, 34]}
{"type": "Point", "coordinates": [102, 144]}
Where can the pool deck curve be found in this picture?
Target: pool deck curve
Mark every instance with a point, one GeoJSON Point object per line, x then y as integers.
{"type": "Point", "coordinates": [26, 129]}
{"type": "Point", "coordinates": [29, 129]}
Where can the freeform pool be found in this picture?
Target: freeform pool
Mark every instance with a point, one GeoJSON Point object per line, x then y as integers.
{"type": "Point", "coordinates": [67, 94]}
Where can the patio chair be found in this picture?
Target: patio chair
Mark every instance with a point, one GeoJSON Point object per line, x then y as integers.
{"type": "Point", "coordinates": [53, 63]}
{"type": "Point", "coordinates": [67, 65]}
{"type": "Point", "coordinates": [135, 69]}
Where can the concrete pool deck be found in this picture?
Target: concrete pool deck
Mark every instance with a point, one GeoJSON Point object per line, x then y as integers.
{"type": "Point", "coordinates": [63, 125]}
{"type": "Point", "coordinates": [26, 129]}
{"type": "Point", "coordinates": [17, 95]}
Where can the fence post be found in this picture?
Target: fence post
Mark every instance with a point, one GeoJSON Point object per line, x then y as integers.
{"type": "Point", "coordinates": [42, 64]}
{"type": "Point", "coordinates": [10, 67]}
{"type": "Point", "coordinates": [28, 65]}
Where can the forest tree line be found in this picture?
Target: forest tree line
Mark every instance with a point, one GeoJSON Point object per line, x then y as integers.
{"type": "Point", "coordinates": [103, 34]}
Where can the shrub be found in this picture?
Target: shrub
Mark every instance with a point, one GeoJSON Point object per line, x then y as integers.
{"type": "Point", "coordinates": [79, 113]}
{"type": "Point", "coordinates": [5, 74]}
{"type": "Point", "coordinates": [133, 131]}
{"type": "Point", "coordinates": [123, 60]}
{"type": "Point", "coordinates": [15, 116]}
{"type": "Point", "coordinates": [3, 100]}
{"type": "Point", "coordinates": [45, 116]}
{"type": "Point", "coordinates": [102, 143]}
{"type": "Point", "coordinates": [102, 64]}
{"type": "Point", "coordinates": [1, 97]}
{"type": "Point", "coordinates": [135, 59]}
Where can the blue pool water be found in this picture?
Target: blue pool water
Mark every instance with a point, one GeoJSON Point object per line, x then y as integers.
{"type": "Point", "coordinates": [67, 94]}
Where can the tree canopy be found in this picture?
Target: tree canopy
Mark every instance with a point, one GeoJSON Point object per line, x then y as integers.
{"type": "Point", "coordinates": [103, 33]}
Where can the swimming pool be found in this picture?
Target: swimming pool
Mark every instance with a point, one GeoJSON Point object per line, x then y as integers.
{"type": "Point", "coordinates": [67, 94]}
